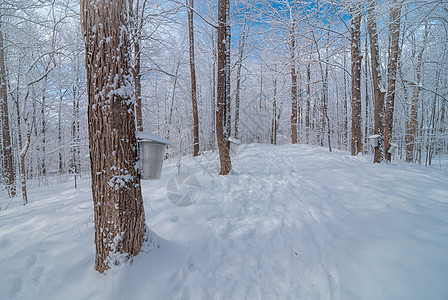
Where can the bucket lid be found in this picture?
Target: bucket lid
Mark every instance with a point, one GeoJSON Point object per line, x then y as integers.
{"type": "Point", "coordinates": [234, 140]}
{"type": "Point", "coordinates": [148, 136]}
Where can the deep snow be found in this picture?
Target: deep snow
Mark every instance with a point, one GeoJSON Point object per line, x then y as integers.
{"type": "Point", "coordinates": [290, 222]}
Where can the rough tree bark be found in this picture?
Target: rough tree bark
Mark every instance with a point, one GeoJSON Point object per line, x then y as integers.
{"type": "Point", "coordinates": [223, 105]}
{"type": "Point", "coordinates": [356, 79]}
{"type": "Point", "coordinates": [194, 100]}
{"type": "Point", "coordinates": [118, 205]}
{"type": "Point", "coordinates": [8, 167]}
{"type": "Point", "coordinates": [376, 78]}
{"type": "Point", "coordinates": [392, 74]}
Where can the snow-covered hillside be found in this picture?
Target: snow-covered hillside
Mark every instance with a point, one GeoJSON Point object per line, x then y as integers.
{"type": "Point", "coordinates": [290, 222]}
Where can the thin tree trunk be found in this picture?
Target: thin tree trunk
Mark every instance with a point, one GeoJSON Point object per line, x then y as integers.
{"type": "Point", "coordinates": [412, 127]}
{"type": "Point", "coordinates": [222, 118]}
{"type": "Point", "coordinates": [213, 97]}
{"type": "Point", "coordinates": [294, 129]}
{"type": "Point", "coordinates": [392, 74]}
{"type": "Point", "coordinates": [138, 86]}
{"type": "Point", "coordinates": [118, 205]}
{"type": "Point", "coordinates": [170, 115]}
{"type": "Point", "coordinates": [194, 100]}
{"type": "Point", "coordinates": [325, 91]}
{"type": "Point", "coordinates": [238, 87]}
{"type": "Point", "coordinates": [274, 115]}
{"type": "Point", "coordinates": [345, 108]}
{"type": "Point", "coordinates": [61, 162]}
{"type": "Point", "coordinates": [308, 101]}
{"type": "Point", "coordinates": [366, 92]}
{"type": "Point", "coordinates": [22, 156]}
{"type": "Point", "coordinates": [8, 166]}
{"type": "Point", "coordinates": [356, 144]}
{"type": "Point", "coordinates": [75, 167]}
{"type": "Point", "coordinates": [136, 19]}
{"type": "Point", "coordinates": [241, 46]}
{"type": "Point", "coordinates": [43, 130]}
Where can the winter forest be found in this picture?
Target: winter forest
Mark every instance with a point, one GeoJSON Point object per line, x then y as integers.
{"type": "Point", "coordinates": [307, 86]}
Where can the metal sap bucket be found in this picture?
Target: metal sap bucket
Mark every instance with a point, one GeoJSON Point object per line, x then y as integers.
{"type": "Point", "coordinates": [234, 145]}
{"type": "Point", "coordinates": [151, 150]}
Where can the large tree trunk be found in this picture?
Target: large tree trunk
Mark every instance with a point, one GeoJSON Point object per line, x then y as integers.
{"type": "Point", "coordinates": [8, 167]}
{"type": "Point", "coordinates": [392, 74]}
{"type": "Point", "coordinates": [376, 78]}
{"type": "Point", "coordinates": [194, 100]}
{"type": "Point", "coordinates": [223, 105]}
{"type": "Point", "coordinates": [118, 205]}
{"type": "Point", "coordinates": [356, 80]}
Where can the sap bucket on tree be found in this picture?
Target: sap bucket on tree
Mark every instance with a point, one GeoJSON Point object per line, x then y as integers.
{"type": "Point", "coordinates": [374, 140]}
{"type": "Point", "coordinates": [234, 145]}
{"type": "Point", "coordinates": [151, 150]}
{"type": "Point", "coordinates": [392, 148]}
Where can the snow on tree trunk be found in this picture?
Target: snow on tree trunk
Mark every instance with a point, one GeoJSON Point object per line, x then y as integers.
{"type": "Point", "coordinates": [223, 105]}
{"type": "Point", "coordinates": [194, 100]}
{"type": "Point", "coordinates": [7, 163]}
{"type": "Point", "coordinates": [412, 127]}
{"type": "Point", "coordinates": [392, 73]}
{"type": "Point", "coordinates": [376, 78]}
{"type": "Point", "coordinates": [356, 79]}
{"type": "Point", "coordinates": [118, 205]}
{"type": "Point", "coordinates": [294, 109]}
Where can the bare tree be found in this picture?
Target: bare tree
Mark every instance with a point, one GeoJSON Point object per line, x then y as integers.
{"type": "Point", "coordinates": [244, 33]}
{"type": "Point", "coordinates": [136, 22]}
{"type": "Point", "coordinates": [118, 204]}
{"type": "Point", "coordinates": [395, 16]}
{"type": "Point", "coordinates": [376, 78]}
{"type": "Point", "coordinates": [356, 78]}
{"type": "Point", "coordinates": [223, 125]}
{"type": "Point", "coordinates": [412, 126]}
{"type": "Point", "coordinates": [194, 100]}
{"type": "Point", "coordinates": [294, 98]}
{"type": "Point", "coordinates": [7, 162]}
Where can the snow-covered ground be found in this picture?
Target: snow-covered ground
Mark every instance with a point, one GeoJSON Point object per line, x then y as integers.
{"type": "Point", "coordinates": [290, 222]}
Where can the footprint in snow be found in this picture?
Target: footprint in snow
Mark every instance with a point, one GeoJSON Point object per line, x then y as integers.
{"type": "Point", "coordinates": [16, 287]}
{"type": "Point", "coordinates": [31, 260]}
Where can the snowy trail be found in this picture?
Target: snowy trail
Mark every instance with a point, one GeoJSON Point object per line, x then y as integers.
{"type": "Point", "coordinates": [290, 222]}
